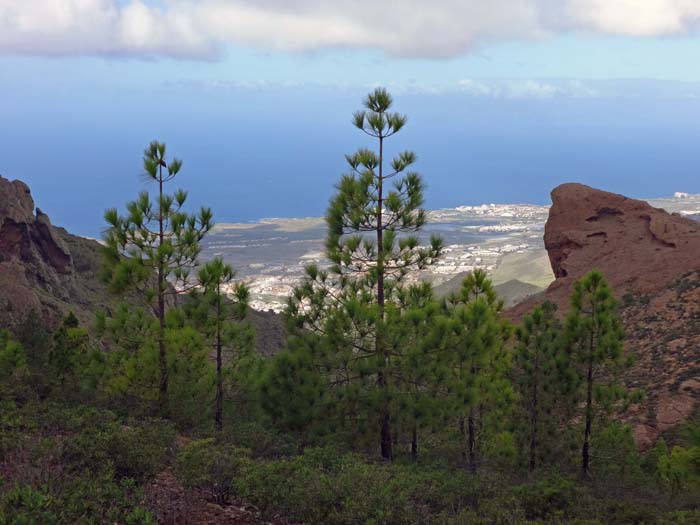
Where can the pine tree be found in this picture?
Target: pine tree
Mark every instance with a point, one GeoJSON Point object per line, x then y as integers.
{"type": "Point", "coordinates": [13, 359]}
{"type": "Point", "coordinates": [220, 318]}
{"type": "Point", "coordinates": [411, 323]}
{"type": "Point", "coordinates": [479, 361]}
{"type": "Point", "coordinates": [594, 343]}
{"type": "Point", "coordinates": [371, 247]}
{"type": "Point", "coordinates": [70, 347]}
{"type": "Point", "coordinates": [536, 376]}
{"type": "Point", "coordinates": [155, 241]}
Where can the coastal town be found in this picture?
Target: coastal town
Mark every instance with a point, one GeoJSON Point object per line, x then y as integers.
{"type": "Point", "coordinates": [270, 255]}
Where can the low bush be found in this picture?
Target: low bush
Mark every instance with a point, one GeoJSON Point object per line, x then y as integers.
{"type": "Point", "coordinates": [211, 467]}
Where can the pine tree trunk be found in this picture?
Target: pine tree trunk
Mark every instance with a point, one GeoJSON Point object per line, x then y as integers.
{"type": "Point", "coordinates": [585, 452]}
{"type": "Point", "coordinates": [533, 419]}
{"type": "Point", "coordinates": [462, 434]}
{"type": "Point", "coordinates": [385, 432]}
{"type": "Point", "coordinates": [162, 359]}
{"type": "Point", "coordinates": [414, 443]}
{"type": "Point", "coordinates": [471, 424]}
{"type": "Point", "coordinates": [219, 379]}
{"type": "Point", "coordinates": [387, 446]}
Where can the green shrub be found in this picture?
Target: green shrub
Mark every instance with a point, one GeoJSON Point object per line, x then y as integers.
{"type": "Point", "coordinates": [23, 505]}
{"type": "Point", "coordinates": [97, 500]}
{"type": "Point", "coordinates": [629, 513]}
{"type": "Point", "coordinates": [262, 441]}
{"type": "Point", "coordinates": [321, 487]}
{"type": "Point", "coordinates": [548, 497]}
{"type": "Point", "coordinates": [139, 451]}
{"type": "Point", "coordinates": [210, 466]}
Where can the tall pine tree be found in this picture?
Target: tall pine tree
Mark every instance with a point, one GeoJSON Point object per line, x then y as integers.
{"type": "Point", "coordinates": [220, 318]}
{"type": "Point", "coordinates": [411, 324]}
{"type": "Point", "coordinates": [536, 376]}
{"type": "Point", "coordinates": [479, 362]}
{"type": "Point", "coordinates": [155, 245]}
{"type": "Point", "coordinates": [594, 343]}
{"type": "Point", "coordinates": [372, 246]}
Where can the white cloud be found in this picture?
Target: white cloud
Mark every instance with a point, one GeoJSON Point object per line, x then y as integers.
{"type": "Point", "coordinates": [531, 89]}
{"type": "Point", "coordinates": [636, 17]}
{"type": "Point", "coordinates": [413, 28]}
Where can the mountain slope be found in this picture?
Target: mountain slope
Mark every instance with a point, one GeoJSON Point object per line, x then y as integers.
{"type": "Point", "coordinates": [652, 260]}
{"type": "Point", "coordinates": [512, 292]}
{"type": "Point", "coordinates": [46, 269]}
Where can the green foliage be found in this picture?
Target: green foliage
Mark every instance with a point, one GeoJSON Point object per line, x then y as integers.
{"type": "Point", "coordinates": [135, 452]}
{"type": "Point", "coordinates": [479, 388]}
{"type": "Point", "coordinates": [548, 497]}
{"type": "Point", "coordinates": [81, 501]}
{"type": "Point", "coordinates": [153, 247]}
{"type": "Point", "coordinates": [616, 455]}
{"type": "Point", "coordinates": [538, 380]}
{"type": "Point", "coordinates": [368, 350]}
{"type": "Point", "coordinates": [372, 247]}
{"type": "Point", "coordinates": [293, 392]}
{"type": "Point", "coordinates": [680, 469]}
{"type": "Point", "coordinates": [22, 505]}
{"type": "Point", "coordinates": [13, 360]}
{"type": "Point", "coordinates": [23, 374]}
{"type": "Point", "coordinates": [211, 466]}
{"type": "Point", "coordinates": [220, 319]}
{"type": "Point", "coordinates": [321, 487]}
{"type": "Point", "coordinates": [75, 361]}
{"type": "Point", "coordinates": [77, 465]}
{"type": "Point", "coordinates": [35, 340]}
{"type": "Point", "coordinates": [154, 236]}
{"type": "Point", "coordinates": [139, 451]}
{"type": "Point", "coordinates": [129, 374]}
{"type": "Point", "coordinates": [594, 346]}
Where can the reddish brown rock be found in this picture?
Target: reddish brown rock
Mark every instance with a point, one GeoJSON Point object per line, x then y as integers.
{"type": "Point", "coordinates": [46, 269]}
{"type": "Point", "coordinates": [43, 268]}
{"type": "Point", "coordinates": [652, 260]}
{"type": "Point", "coordinates": [16, 201]}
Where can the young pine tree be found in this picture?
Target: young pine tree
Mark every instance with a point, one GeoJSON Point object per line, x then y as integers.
{"type": "Point", "coordinates": [411, 323]}
{"type": "Point", "coordinates": [155, 244]}
{"type": "Point", "coordinates": [594, 343]}
{"type": "Point", "coordinates": [536, 377]}
{"type": "Point", "coordinates": [371, 219]}
{"type": "Point", "coordinates": [220, 318]}
{"type": "Point", "coordinates": [479, 362]}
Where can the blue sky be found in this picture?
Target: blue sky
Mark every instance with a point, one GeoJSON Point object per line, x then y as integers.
{"type": "Point", "coordinates": [505, 100]}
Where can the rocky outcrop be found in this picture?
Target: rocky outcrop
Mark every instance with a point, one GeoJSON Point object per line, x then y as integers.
{"type": "Point", "coordinates": [639, 247]}
{"type": "Point", "coordinates": [48, 270]}
{"type": "Point", "coordinates": [652, 260]}
{"type": "Point", "coordinates": [44, 268]}
{"type": "Point", "coordinates": [26, 237]}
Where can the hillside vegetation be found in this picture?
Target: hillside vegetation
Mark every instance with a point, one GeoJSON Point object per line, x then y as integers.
{"type": "Point", "coordinates": [389, 403]}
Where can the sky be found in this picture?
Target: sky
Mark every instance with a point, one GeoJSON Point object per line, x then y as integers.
{"type": "Point", "coordinates": [505, 99]}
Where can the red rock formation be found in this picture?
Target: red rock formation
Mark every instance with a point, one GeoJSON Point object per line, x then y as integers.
{"type": "Point", "coordinates": [46, 269]}
{"type": "Point", "coordinates": [651, 258]}
{"type": "Point", "coordinates": [38, 263]}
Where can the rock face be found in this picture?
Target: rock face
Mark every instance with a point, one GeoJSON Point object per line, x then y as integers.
{"type": "Point", "coordinates": [638, 247]}
{"type": "Point", "coordinates": [652, 260]}
{"type": "Point", "coordinates": [48, 270]}
{"type": "Point", "coordinates": [43, 268]}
